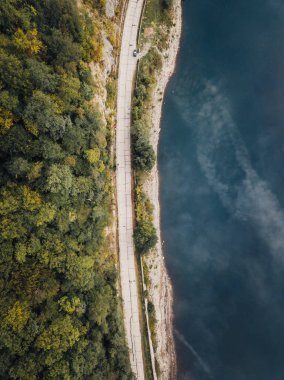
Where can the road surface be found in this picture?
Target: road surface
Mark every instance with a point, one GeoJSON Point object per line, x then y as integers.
{"type": "Point", "coordinates": [129, 283]}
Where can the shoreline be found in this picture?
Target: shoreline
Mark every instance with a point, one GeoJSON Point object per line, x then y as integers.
{"type": "Point", "coordinates": [160, 290]}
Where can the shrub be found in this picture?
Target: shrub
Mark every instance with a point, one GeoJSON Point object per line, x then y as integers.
{"type": "Point", "coordinates": [143, 153]}
{"type": "Point", "coordinates": [145, 236]}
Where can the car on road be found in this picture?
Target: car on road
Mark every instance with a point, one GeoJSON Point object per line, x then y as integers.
{"type": "Point", "coordinates": [135, 52]}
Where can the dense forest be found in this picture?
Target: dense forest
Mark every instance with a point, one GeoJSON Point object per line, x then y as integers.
{"type": "Point", "coordinates": [59, 310]}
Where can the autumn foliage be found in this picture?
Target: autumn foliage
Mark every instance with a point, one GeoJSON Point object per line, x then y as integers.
{"type": "Point", "coordinates": [59, 310]}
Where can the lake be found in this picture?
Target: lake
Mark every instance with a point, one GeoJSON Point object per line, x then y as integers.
{"type": "Point", "coordinates": [221, 162]}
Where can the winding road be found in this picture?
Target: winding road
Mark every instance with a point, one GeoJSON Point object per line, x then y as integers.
{"type": "Point", "coordinates": [128, 274]}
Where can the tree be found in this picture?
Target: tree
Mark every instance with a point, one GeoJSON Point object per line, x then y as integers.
{"type": "Point", "coordinates": [8, 102]}
{"type": "Point", "coordinates": [80, 271]}
{"type": "Point", "coordinates": [59, 179]}
{"type": "Point", "coordinates": [18, 167]}
{"type": "Point", "coordinates": [145, 236]}
{"type": "Point", "coordinates": [9, 203]}
{"type": "Point", "coordinates": [43, 114]}
{"type": "Point", "coordinates": [35, 171]}
{"type": "Point", "coordinates": [51, 150]}
{"type": "Point", "coordinates": [61, 335]}
{"type": "Point", "coordinates": [57, 275]}
{"type": "Point", "coordinates": [12, 228]}
{"type": "Point", "coordinates": [70, 305]}
{"type": "Point", "coordinates": [41, 76]}
{"type": "Point", "coordinates": [31, 199]}
{"type": "Point", "coordinates": [100, 305]}
{"type": "Point", "coordinates": [46, 214]}
{"type": "Point", "coordinates": [17, 316]}
{"type": "Point", "coordinates": [93, 155]}
{"type": "Point", "coordinates": [143, 153]}
{"type": "Point", "coordinates": [12, 73]}
{"type": "Point", "coordinates": [60, 370]}
{"type": "Point", "coordinates": [68, 91]}
{"type": "Point", "coordinates": [144, 156]}
{"type": "Point", "coordinates": [6, 120]}
{"type": "Point", "coordinates": [25, 368]}
{"type": "Point", "coordinates": [13, 13]}
{"type": "Point", "coordinates": [82, 185]}
{"type": "Point", "coordinates": [61, 48]}
{"type": "Point", "coordinates": [27, 41]}
{"type": "Point", "coordinates": [21, 252]}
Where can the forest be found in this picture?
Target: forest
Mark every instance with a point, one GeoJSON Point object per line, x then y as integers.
{"type": "Point", "coordinates": [59, 308]}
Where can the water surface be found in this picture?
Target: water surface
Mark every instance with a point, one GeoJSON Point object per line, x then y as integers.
{"type": "Point", "coordinates": [221, 160]}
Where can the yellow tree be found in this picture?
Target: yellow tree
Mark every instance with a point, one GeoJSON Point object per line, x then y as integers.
{"type": "Point", "coordinates": [31, 199]}
{"type": "Point", "coordinates": [17, 316]}
{"type": "Point", "coordinates": [93, 155]}
{"type": "Point", "coordinates": [6, 120]}
{"type": "Point", "coordinates": [61, 335]}
{"type": "Point", "coordinates": [46, 214]}
{"type": "Point", "coordinates": [28, 41]}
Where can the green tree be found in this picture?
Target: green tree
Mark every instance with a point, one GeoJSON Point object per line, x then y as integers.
{"type": "Point", "coordinates": [31, 199]}
{"type": "Point", "coordinates": [70, 305]}
{"type": "Point", "coordinates": [59, 179]}
{"type": "Point", "coordinates": [61, 335]}
{"type": "Point", "coordinates": [9, 203]}
{"type": "Point", "coordinates": [144, 156]}
{"type": "Point", "coordinates": [46, 214]}
{"type": "Point", "coordinates": [100, 305]}
{"type": "Point", "coordinates": [43, 114]}
{"type": "Point", "coordinates": [80, 271]}
{"type": "Point", "coordinates": [60, 318]}
{"type": "Point", "coordinates": [143, 153]}
{"type": "Point", "coordinates": [18, 167]}
{"type": "Point", "coordinates": [61, 48]}
{"type": "Point", "coordinates": [145, 236]}
{"type": "Point", "coordinates": [41, 76]}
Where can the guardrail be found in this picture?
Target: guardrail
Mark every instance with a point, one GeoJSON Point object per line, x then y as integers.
{"type": "Point", "coordinates": [140, 21]}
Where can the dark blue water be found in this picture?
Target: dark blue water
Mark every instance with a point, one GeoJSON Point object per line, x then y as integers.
{"type": "Point", "coordinates": [221, 163]}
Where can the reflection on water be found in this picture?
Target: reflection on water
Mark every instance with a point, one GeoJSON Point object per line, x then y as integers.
{"type": "Point", "coordinates": [222, 190]}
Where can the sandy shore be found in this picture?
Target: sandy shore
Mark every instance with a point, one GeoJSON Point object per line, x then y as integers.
{"type": "Point", "coordinates": [160, 291]}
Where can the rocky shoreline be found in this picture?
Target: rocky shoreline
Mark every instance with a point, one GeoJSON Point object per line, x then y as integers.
{"type": "Point", "coordinates": [160, 291]}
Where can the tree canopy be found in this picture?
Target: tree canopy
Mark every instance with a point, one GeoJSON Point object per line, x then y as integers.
{"type": "Point", "coordinates": [59, 305]}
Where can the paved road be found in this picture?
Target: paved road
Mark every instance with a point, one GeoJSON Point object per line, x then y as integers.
{"type": "Point", "coordinates": [127, 67]}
